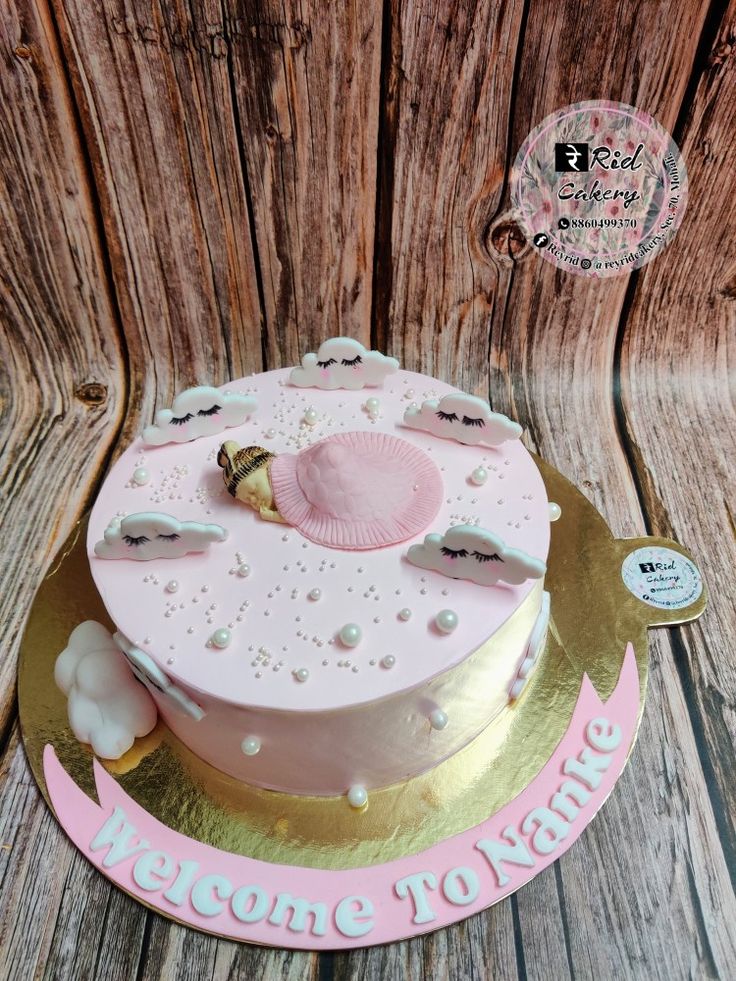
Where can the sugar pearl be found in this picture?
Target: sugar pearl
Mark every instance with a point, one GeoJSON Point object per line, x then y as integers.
{"type": "Point", "coordinates": [357, 796]}
{"type": "Point", "coordinates": [141, 476]}
{"type": "Point", "coordinates": [438, 719]}
{"type": "Point", "coordinates": [555, 511]}
{"type": "Point", "coordinates": [351, 635]}
{"type": "Point", "coordinates": [446, 621]}
{"type": "Point", "coordinates": [172, 586]}
{"type": "Point", "coordinates": [221, 637]}
{"type": "Point", "coordinates": [388, 661]}
{"type": "Point", "coordinates": [315, 594]}
{"type": "Point", "coordinates": [310, 416]}
{"type": "Point", "coordinates": [301, 674]}
{"type": "Point", "coordinates": [251, 745]}
{"type": "Point", "coordinates": [372, 404]}
{"type": "Point", "coordinates": [479, 475]}
{"type": "Point", "coordinates": [244, 570]}
{"type": "Point", "coordinates": [405, 614]}
{"type": "Point", "coordinates": [270, 433]}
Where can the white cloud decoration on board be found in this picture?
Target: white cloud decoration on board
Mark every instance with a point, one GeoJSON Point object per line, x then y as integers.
{"type": "Point", "coordinates": [150, 535]}
{"type": "Point", "coordinates": [472, 553]}
{"type": "Point", "coordinates": [105, 704]}
{"type": "Point", "coordinates": [201, 411]}
{"type": "Point", "coordinates": [464, 418]}
{"type": "Point", "coordinates": [342, 362]}
{"type": "Point", "coordinates": [156, 681]}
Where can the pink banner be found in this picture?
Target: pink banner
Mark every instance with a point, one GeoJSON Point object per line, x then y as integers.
{"type": "Point", "coordinates": [288, 906]}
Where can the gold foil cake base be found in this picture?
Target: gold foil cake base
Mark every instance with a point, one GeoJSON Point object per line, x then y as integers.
{"type": "Point", "coordinates": [594, 616]}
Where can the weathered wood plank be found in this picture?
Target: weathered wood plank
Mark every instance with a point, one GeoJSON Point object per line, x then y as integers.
{"type": "Point", "coordinates": [62, 388]}
{"type": "Point", "coordinates": [153, 87]}
{"type": "Point", "coordinates": [677, 385]}
{"type": "Point", "coordinates": [307, 82]}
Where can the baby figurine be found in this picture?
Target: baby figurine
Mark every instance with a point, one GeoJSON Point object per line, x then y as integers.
{"type": "Point", "coordinates": [246, 473]}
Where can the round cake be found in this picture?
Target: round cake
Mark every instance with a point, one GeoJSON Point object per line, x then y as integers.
{"type": "Point", "coordinates": [352, 630]}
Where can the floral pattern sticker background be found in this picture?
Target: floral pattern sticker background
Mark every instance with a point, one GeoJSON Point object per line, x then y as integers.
{"type": "Point", "coordinates": [599, 188]}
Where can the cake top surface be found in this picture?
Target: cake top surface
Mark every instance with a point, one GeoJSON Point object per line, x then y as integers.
{"type": "Point", "coordinates": [285, 612]}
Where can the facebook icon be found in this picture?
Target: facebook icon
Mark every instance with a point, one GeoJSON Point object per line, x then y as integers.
{"type": "Point", "coordinates": [571, 157]}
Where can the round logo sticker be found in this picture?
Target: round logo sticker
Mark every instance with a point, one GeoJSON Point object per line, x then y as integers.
{"type": "Point", "coordinates": [662, 577]}
{"type": "Point", "coordinates": [599, 188]}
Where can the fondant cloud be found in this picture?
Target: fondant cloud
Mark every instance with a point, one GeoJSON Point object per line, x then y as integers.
{"type": "Point", "coordinates": [150, 674]}
{"type": "Point", "coordinates": [464, 418]}
{"type": "Point", "coordinates": [469, 552]}
{"type": "Point", "coordinates": [342, 362]}
{"type": "Point", "coordinates": [106, 705]}
{"type": "Point", "coordinates": [150, 535]}
{"type": "Point", "coordinates": [201, 411]}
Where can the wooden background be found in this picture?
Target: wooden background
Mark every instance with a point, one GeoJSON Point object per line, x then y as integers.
{"type": "Point", "coordinates": [191, 190]}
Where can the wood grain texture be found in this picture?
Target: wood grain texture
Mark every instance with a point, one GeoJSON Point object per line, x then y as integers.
{"type": "Point", "coordinates": [194, 190]}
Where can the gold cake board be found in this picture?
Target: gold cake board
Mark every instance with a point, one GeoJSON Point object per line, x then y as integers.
{"type": "Point", "coordinates": [594, 617]}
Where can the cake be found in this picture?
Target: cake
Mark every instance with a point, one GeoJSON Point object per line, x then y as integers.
{"type": "Point", "coordinates": [326, 579]}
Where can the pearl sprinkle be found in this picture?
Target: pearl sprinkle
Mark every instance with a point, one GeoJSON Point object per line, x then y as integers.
{"type": "Point", "coordinates": [405, 614]}
{"type": "Point", "coordinates": [555, 511]}
{"type": "Point", "coordinates": [446, 621]}
{"type": "Point", "coordinates": [315, 594]}
{"type": "Point", "coordinates": [301, 674]}
{"type": "Point", "coordinates": [251, 745]}
{"type": "Point", "coordinates": [244, 570]}
{"type": "Point", "coordinates": [221, 637]}
{"type": "Point", "coordinates": [438, 719]}
{"type": "Point", "coordinates": [141, 476]}
{"type": "Point", "coordinates": [357, 796]}
{"type": "Point", "coordinates": [351, 635]}
{"type": "Point", "coordinates": [172, 586]}
{"type": "Point", "coordinates": [310, 416]}
{"type": "Point", "coordinates": [479, 476]}
{"type": "Point", "coordinates": [388, 661]}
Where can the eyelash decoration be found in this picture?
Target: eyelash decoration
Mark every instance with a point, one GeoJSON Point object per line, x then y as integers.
{"type": "Point", "coordinates": [483, 557]}
{"type": "Point", "coordinates": [173, 537]}
{"type": "Point", "coordinates": [326, 364]}
{"type": "Point", "coordinates": [467, 421]}
{"type": "Point", "coordinates": [209, 412]}
{"type": "Point", "coordinates": [356, 360]}
{"type": "Point", "coordinates": [132, 540]}
{"type": "Point", "coordinates": [447, 416]}
{"type": "Point", "coordinates": [181, 420]}
{"type": "Point", "coordinates": [454, 553]}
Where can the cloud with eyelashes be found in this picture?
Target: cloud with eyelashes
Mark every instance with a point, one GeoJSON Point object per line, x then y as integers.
{"type": "Point", "coordinates": [342, 362]}
{"type": "Point", "coordinates": [472, 553]}
{"type": "Point", "coordinates": [201, 411]}
{"type": "Point", "coordinates": [150, 535]}
{"type": "Point", "coordinates": [106, 706]}
{"type": "Point", "coordinates": [464, 418]}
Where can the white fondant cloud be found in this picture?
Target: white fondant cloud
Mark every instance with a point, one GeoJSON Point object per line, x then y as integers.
{"type": "Point", "coordinates": [464, 418]}
{"type": "Point", "coordinates": [191, 415]}
{"type": "Point", "coordinates": [461, 554]}
{"type": "Point", "coordinates": [335, 366]}
{"type": "Point", "coordinates": [150, 535]}
{"type": "Point", "coordinates": [106, 705]}
{"type": "Point", "coordinates": [150, 674]}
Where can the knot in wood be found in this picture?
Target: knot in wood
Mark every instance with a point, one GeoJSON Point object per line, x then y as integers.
{"type": "Point", "coordinates": [505, 239]}
{"type": "Point", "coordinates": [23, 51]}
{"type": "Point", "coordinates": [93, 393]}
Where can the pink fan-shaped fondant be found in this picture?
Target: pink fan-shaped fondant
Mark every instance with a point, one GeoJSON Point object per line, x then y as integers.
{"type": "Point", "coordinates": [357, 490]}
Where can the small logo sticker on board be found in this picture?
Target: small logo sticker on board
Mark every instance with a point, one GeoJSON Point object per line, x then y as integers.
{"type": "Point", "coordinates": [662, 577]}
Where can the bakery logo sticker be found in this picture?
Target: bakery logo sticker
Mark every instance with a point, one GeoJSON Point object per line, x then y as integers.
{"type": "Point", "coordinates": [599, 188]}
{"type": "Point", "coordinates": [662, 578]}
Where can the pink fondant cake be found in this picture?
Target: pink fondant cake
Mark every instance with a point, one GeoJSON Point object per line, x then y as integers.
{"type": "Point", "coordinates": [359, 626]}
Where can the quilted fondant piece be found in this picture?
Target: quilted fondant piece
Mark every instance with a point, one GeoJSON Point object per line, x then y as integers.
{"type": "Point", "coordinates": [357, 490]}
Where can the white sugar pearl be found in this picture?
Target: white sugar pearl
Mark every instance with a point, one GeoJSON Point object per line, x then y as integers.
{"type": "Point", "coordinates": [438, 719]}
{"type": "Point", "coordinates": [479, 476]}
{"type": "Point", "coordinates": [388, 661]}
{"type": "Point", "coordinates": [446, 621]}
{"type": "Point", "coordinates": [301, 674]}
{"type": "Point", "coordinates": [351, 635]}
{"type": "Point", "coordinates": [244, 570]}
{"type": "Point", "coordinates": [555, 511]}
{"type": "Point", "coordinates": [271, 433]}
{"type": "Point", "coordinates": [310, 416]}
{"type": "Point", "coordinates": [405, 614]}
{"type": "Point", "coordinates": [221, 637]}
{"type": "Point", "coordinates": [409, 393]}
{"type": "Point", "coordinates": [141, 476]}
{"type": "Point", "coordinates": [373, 415]}
{"type": "Point", "coordinates": [315, 594]}
{"type": "Point", "coordinates": [172, 586]}
{"type": "Point", "coordinates": [251, 745]}
{"type": "Point", "coordinates": [372, 404]}
{"type": "Point", "coordinates": [357, 796]}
